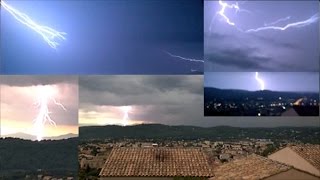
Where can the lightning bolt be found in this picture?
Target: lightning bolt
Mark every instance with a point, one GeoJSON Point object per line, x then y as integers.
{"type": "Point", "coordinates": [260, 81]}
{"type": "Point", "coordinates": [277, 21]}
{"type": "Point", "coordinates": [225, 5]}
{"type": "Point", "coordinates": [48, 34]}
{"type": "Point", "coordinates": [184, 58]}
{"type": "Point", "coordinates": [221, 13]}
{"type": "Point", "coordinates": [269, 26]}
{"type": "Point", "coordinates": [126, 110]}
{"type": "Point", "coordinates": [44, 114]}
{"type": "Point", "coordinates": [298, 24]}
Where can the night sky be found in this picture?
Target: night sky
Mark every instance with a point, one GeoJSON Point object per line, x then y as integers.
{"type": "Point", "coordinates": [105, 37]}
{"type": "Point", "coordinates": [275, 81]}
{"type": "Point", "coordinates": [170, 100]}
{"type": "Point", "coordinates": [231, 48]}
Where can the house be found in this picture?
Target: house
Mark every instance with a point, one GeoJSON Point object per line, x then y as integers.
{"type": "Point", "coordinates": [93, 162]}
{"type": "Point", "coordinates": [225, 156]}
{"type": "Point", "coordinates": [256, 167]}
{"type": "Point", "coordinates": [156, 163]}
{"type": "Point", "coordinates": [303, 157]}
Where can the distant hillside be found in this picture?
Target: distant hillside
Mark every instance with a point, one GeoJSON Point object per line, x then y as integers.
{"type": "Point", "coordinates": [65, 136]}
{"type": "Point", "coordinates": [21, 136]}
{"type": "Point", "coordinates": [26, 155]}
{"type": "Point", "coordinates": [158, 131]}
{"type": "Point", "coordinates": [235, 95]}
{"type": "Point", "coordinates": [33, 138]}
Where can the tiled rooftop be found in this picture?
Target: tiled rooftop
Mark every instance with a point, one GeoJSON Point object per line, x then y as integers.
{"type": "Point", "coordinates": [252, 167]}
{"type": "Point", "coordinates": [157, 162]}
{"type": "Point", "coordinates": [310, 153]}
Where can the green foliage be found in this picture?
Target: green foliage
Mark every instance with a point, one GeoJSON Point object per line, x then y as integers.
{"type": "Point", "coordinates": [269, 150]}
{"type": "Point", "coordinates": [163, 132]}
{"type": "Point", "coordinates": [33, 156]}
{"type": "Point", "coordinates": [94, 151]}
{"type": "Point", "coordinates": [89, 173]}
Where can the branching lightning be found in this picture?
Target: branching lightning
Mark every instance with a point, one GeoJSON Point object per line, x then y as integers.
{"type": "Point", "coordinates": [298, 24]}
{"type": "Point", "coordinates": [48, 34]}
{"type": "Point", "coordinates": [277, 21]}
{"type": "Point", "coordinates": [44, 114]}
{"type": "Point", "coordinates": [267, 26]}
{"type": "Point", "coordinates": [260, 81]}
{"type": "Point", "coordinates": [225, 5]}
{"type": "Point", "coordinates": [221, 13]}
{"type": "Point", "coordinates": [184, 58]}
{"type": "Point", "coordinates": [125, 110]}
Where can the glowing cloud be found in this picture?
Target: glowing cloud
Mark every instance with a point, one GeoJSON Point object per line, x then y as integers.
{"type": "Point", "coordinates": [260, 81]}
{"type": "Point", "coordinates": [44, 95]}
{"type": "Point", "coordinates": [48, 34]}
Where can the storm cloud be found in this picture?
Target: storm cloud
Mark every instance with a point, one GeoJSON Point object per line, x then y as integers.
{"type": "Point", "coordinates": [20, 94]}
{"type": "Point", "coordinates": [232, 48]}
{"type": "Point", "coordinates": [171, 100]}
{"type": "Point", "coordinates": [21, 81]}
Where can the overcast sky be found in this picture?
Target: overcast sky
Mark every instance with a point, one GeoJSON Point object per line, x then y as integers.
{"type": "Point", "coordinates": [232, 48]}
{"type": "Point", "coordinates": [18, 109]}
{"type": "Point", "coordinates": [171, 100]}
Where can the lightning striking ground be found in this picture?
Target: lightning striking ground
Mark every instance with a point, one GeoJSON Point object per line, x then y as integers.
{"type": "Point", "coordinates": [48, 34]}
{"type": "Point", "coordinates": [184, 58]}
{"type": "Point", "coordinates": [44, 114]}
{"type": "Point", "coordinates": [125, 110]}
{"type": "Point", "coordinates": [298, 24]}
{"type": "Point", "coordinates": [260, 81]}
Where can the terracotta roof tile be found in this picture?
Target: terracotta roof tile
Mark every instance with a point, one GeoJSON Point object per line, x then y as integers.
{"type": "Point", "coordinates": [157, 162]}
{"type": "Point", "coordinates": [310, 153]}
{"type": "Point", "coordinates": [251, 167]}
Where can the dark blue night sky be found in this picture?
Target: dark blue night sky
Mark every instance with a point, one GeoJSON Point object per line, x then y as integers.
{"type": "Point", "coordinates": [275, 81]}
{"type": "Point", "coordinates": [105, 37]}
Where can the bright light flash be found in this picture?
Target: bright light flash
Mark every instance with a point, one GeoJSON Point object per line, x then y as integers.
{"type": "Point", "coordinates": [48, 34]}
{"type": "Point", "coordinates": [222, 13]}
{"type": "Point", "coordinates": [269, 26]}
{"type": "Point", "coordinates": [260, 81]}
{"type": "Point", "coordinates": [184, 58]}
{"type": "Point", "coordinates": [298, 24]}
{"type": "Point", "coordinates": [45, 94]}
{"type": "Point", "coordinates": [125, 110]}
{"type": "Point", "coordinates": [225, 5]}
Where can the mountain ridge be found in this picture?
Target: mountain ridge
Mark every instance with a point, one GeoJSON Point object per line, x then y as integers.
{"type": "Point", "coordinates": [166, 132]}
{"type": "Point", "coordinates": [26, 136]}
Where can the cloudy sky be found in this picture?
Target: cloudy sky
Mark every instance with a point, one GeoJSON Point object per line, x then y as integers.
{"type": "Point", "coordinates": [105, 37]}
{"type": "Point", "coordinates": [19, 95]}
{"type": "Point", "coordinates": [236, 48]}
{"type": "Point", "coordinates": [171, 100]}
{"type": "Point", "coordinates": [275, 81]}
